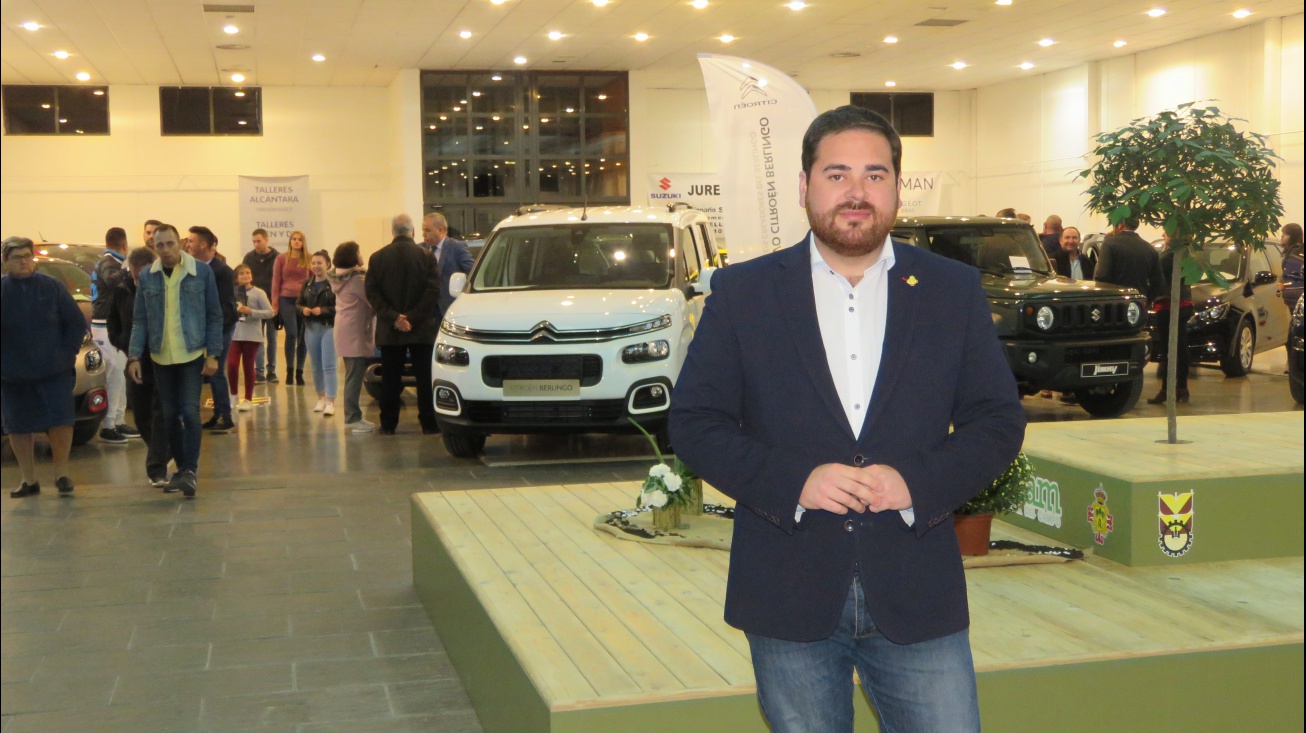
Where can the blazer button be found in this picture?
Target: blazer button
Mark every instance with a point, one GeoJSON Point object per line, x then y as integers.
{"type": "Point", "coordinates": [859, 459]}
{"type": "Point", "coordinates": [849, 526]}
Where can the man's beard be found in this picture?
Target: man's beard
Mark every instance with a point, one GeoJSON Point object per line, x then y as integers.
{"type": "Point", "coordinates": [856, 241]}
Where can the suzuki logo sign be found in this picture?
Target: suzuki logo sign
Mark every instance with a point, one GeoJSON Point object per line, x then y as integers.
{"type": "Point", "coordinates": [664, 184]}
{"type": "Point", "coordinates": [1096, 315]}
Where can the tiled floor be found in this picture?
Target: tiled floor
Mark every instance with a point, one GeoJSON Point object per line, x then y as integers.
{"type": "Point", "coordinates": [281, 599]}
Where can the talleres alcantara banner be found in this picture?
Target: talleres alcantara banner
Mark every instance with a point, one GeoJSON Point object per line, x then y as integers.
{"type": "Point", "coordinates": [278, 204]}
{"type": "Point", "coordinates": [759, 116]}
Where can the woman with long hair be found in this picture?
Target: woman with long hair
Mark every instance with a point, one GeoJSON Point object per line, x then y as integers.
{"type": "Point", "coordinates": [289, 273]}
{"type": "Point", "coordinates": [354, 334]}
{"type": "Point", "coordinates": [317, 308]}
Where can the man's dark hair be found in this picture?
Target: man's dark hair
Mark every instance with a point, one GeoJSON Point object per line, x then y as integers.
{"type": "Point", "coordinates": [259, 231]}
{"type": "Point", "coordinates": [155, 223]}
{"type": "Point", "coordinates": [161, 227]}
{"type": "Point", "coordinates": [115, 238]}
{"type": "Point", "coordinates": [140, 257]}
{"type": "Point", "coordinates": [843, 119]}
{"type": "Point", "coordinates": [1007, 214]}
{"type": "Point", "coordinates": [206, 234]}
{"type": "Point", "coordinates": [1131, 223]}
{"type": "Point", "coordinates": [347, 256]}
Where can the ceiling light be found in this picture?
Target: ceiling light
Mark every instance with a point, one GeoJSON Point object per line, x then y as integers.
{"type": "Point", "coordinates": [1026, 66]}
{"type": "Point", "coordinates": [520, 60]}
{"type": "Point", "coordinates": [61, 54]}
{"type": "Point", "coordinates": [727, 38]}
{"type": "Point", "coordinates": [83, 76]}
{"type": "Point", "coordinates": [699, 4]}
{"type": "Point", "coordinates": [238, 78]}
{"type": "Point", "coordinates": [1156, 12]}
{"type": "Point", "coordinates": [1001, 2]}
{"type": "Point", "coordinates": [457, 109]}
{"type": "Point", "coordinates": [796, 5]}
{"type": "Point", "coordinates": [474, 94]}
{"type": "Point", "coordinates": [1120, 43]}
{"type": "Point", "coordinates": [496, 77]}
{"type": "Point", "coordinates": [230, 30]}
{"type": "Point", "coordinates": [444, 117]}
{"type": "Point", "coordinates": [238, 94]}
{"type": "Point", "coordinates": [599, 3]}
{"type": "Point", "coordinates": [240, 122]}
{"type": "Point", "coordinates": [319, 57]}
{"type": "Point", "coordinates": [641, 37]}
{"type": "Point", "coordinates": [555, 35]}
{"type": "Point", "coordinates": [464, 34]}
{"type": "Point", "coordinates": [498, 2]}
{"type": "Point", "coordinates": [959, 65]}
{"type": "Point", "coordinates": [63, 120]}
{"type": "Point", "coordinates": [1240, 14]}
{"type": "Point", "coordinates": [32, 25]}
{"type": "Point", "coordinates": [45, 106]}
{"type": "Point", "coordinates": [890, 39]}
{"type": "Point", "coordinates": [1046, 42]}
{"type": "Point", "coordinates": [98, 92]}
{"type": "Point", "coordinates": [891, 83]}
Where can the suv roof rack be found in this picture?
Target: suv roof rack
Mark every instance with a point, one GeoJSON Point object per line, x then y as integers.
{"type": "Point", "coordinates": [538, 208]}
{"type": "Point", "coordinates": [672, 206]}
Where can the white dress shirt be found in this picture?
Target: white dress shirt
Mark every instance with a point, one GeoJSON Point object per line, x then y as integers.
{"type": "Point", "coordinates": [852, 320]}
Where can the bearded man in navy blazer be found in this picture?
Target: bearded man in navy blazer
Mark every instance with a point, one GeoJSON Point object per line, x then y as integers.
{"type": "Point", "coordinates": [849, 393]}
{"type": "Point", "coordinates": [451, 255]}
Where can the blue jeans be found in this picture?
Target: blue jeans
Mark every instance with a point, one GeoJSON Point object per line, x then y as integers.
{"type": "Point", "coordinates": [928, 687]}
{"type": "Point", "coordinates": [321, 341]}
{"type": "Point", "coordinates": [267, 351]}
{"type": "Point", "coordinates": [218, 382]}
{"type": "Point", "coordinates": [291, 321]}
{"type": "Point", "coordinates": [179, 387]}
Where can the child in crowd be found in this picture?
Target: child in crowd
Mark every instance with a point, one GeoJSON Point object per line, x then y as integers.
{"type": "Point", "coordinates": [253, 308]}
{"type": "Point", "coordinates": [317, 310]}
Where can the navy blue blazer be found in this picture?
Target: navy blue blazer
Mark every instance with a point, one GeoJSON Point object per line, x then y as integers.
{"type": "Point", "coordinates": [755, 410]}
{"type": "Point", "coordinates": [454, 257]}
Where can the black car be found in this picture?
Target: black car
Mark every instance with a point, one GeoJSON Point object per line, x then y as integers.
{"type": "Point", "coordinates": [1234, 322]}
{"type": "Point", "coordinates": [1296, 337]}
{"type": "Point", "coordinates": [1059, 334]}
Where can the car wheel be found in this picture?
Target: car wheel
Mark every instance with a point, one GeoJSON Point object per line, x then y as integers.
{"type": "Point", "coordinates": [84, 430]}
{"type": "Point", "coordinates": [463, 445]}
{"type": "Point", "coordinates": [1110, 400]}
{"type": "Point", "coordinates": [1238, 362]}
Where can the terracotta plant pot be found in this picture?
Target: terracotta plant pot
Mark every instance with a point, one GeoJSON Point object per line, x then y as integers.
{"type": "Point", "coordinates": [695, 489]}
{"type": "Point", "coordinates": [666, 519]}
{"type": "Point", "coordinates": [973, 532]}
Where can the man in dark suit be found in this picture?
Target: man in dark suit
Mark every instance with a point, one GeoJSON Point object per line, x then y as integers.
{"type": "Point", "coordinates": [203, 246]}
{"type": "Point", "coordinates": [1069, 261]}
{"type": "Point", "coordinates": [850, 394]}
{"type": "Point", "coordinates": [403, 288]}
{"type": "Point", "coordinates": [451, 254]}
{"type": "Point", "coordinates": [1129, 261]}
{"type": "Point", "coordinates": [1051, 236]}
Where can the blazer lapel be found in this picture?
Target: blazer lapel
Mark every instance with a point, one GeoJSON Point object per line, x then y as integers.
{"type": "Point", "coordinates": [898, 331]}
{"type": "Point", "coordinates": [797, 301]}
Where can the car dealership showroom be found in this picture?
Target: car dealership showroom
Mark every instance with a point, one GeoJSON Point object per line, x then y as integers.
{"type": "Point", "coordinates": [429, 357]}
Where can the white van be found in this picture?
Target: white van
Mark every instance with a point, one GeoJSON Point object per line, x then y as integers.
{"type": "Point", "coordinates": [572, 321]}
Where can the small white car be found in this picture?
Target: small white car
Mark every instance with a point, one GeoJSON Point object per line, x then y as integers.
{"type": "Point", "coordinates": [572, 321]}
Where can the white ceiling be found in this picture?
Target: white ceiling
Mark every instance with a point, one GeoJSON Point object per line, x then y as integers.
{"type": "Point", "coordinates": [168, 42]}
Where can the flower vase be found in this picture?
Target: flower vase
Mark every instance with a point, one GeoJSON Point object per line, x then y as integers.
{"type": "Point", "coordinates": [695, 507]}
{"type": "Point", "coordinates": [666, 519]}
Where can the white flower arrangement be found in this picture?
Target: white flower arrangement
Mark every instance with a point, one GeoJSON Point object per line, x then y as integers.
{"type": "Point", "coordinates": [662, 488]}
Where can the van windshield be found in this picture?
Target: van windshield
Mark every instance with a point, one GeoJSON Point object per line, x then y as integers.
{"type": "Point", "coordinates": [630, 256]}
{"type": "Point", "coordinates": [996, 250]}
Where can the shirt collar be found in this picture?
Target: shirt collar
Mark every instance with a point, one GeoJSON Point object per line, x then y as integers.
{"type": "Point", "coordinates": [819, 263]}
{"type": "Point", "coordinates": [187, 264]}
{"type": "Point", "coordinates": [116, 256]}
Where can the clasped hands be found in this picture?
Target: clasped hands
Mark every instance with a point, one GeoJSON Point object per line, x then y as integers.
{"type": "Point", "coordinates": [402, 324]}
{"type": "Point", "coordinates": [837, 488]}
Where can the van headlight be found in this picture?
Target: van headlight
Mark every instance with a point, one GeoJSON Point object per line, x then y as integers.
{"type": "Point", "coordinates": [1133, 313]}
{"type": "Point", "coordinates": [451, 355]}
{"type": "Point", "coordinates": [1045, 318]}
{"type": "Point", "coordinates": [647, 351]}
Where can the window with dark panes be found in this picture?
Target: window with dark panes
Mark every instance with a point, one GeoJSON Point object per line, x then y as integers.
{"type": "Point", "coordinates": [910, 113]}
{"type": "Point", "coordinates": [56, 110]}
{"type": "Point", "coordinates": [211, 110]}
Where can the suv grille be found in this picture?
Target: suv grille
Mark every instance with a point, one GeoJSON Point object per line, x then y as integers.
{"type": "Point", "coordinates": [588, 368]}
{"type": "Point", "coordinates": [1091, 354]}
{"type": "Point", "coordinates": [1086, 317]}
{"type": "Point", "coordinates": [511, 413]}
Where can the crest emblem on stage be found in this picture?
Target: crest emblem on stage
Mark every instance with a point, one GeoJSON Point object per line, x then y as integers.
{"type": "Point", "coordinates": [1099, 516]}
{"type": "Point", "coordinates": [1175, 518]}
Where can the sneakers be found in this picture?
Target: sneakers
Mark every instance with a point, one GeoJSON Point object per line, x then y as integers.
{"type": "Point", "coordinates": [320, 406]}
{"type": "Point", "coordinates": [183, 481]}
{"type": "Point", "coordinates": [210, 423]}
{"type": "Point", "coordinates": [221, 424]}
{"type": "Point", "coordinates": [158, 482]}
{"type": "Point", "coordinates": [361, 426]}
{"type": "Point", "coordinates": [260, 378]}
{"type": "Point", "coordinates": [128, 431]}
{"type": "Point", "coordinates": [111, 435]}
{"type": "Point", "coordinates": [65, 485]}
{"type": "Point", "coordinates": [329, 409]}
{"type": "Point", "coordinates": [245, 406]}
{"type": "Point", "coordinates": [272, 378]}
{"type": "Point", "coordinates": [25, 489]}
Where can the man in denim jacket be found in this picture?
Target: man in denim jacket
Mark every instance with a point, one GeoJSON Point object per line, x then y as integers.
{"type": "Point", "coordinates": [178, 310]}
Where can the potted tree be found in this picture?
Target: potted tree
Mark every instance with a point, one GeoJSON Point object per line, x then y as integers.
{"type": "Point", "coordinates": [974, 520]}
{"type": "Point", "coordinates": [1191, 172]}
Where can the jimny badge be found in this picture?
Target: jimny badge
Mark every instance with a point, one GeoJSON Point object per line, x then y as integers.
{"type": "Point", "coordinates": [1099, 516]}
{"type": "Point", "coordinates": [1175, 518]}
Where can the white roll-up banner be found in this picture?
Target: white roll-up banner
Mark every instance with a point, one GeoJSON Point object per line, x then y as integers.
{"type": "Point", "coordinates": [759, 116]}
{"type": "Point", "coordinates": [278, 204]}
{"type": "Point", "coordinates": [920, 193]}
{"type": "Point", "coordinates": [700, 190]}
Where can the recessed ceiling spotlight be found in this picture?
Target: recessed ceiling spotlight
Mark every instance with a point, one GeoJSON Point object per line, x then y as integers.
{"type": "Point", "coordinates": [1026, 66]}
{"type": "Point", "coordinates": [464, 34]}
{"type": "Point", "coordinates": [319, 57]}
{"type": "Point", "coordinates": [555, 35]}
{"type": "Point", "coordinates": [98, 92]}
{"type": "Point", "coordinates": [496, 77]}
{"type": "Point", "coordinates": [498, 2]}
{"type": "Point", "coordinates": [32, 25]}
{"type": "Point", "coordinates": [45, 106]}
{"type": "Point", "coordinates": [520, 60]}
{"type": "Point", "coordinates": [641, 37]}
{"type": "Point", "coordinates": [61, 54]}
{"type": "Point", "coordinates": [796, 5]}
{"type": "Point", "coordinates": [230, 30]}
{"type": "Point", "coordinates": [602, 97]}
{"type": "Point", "coordinates": [1120, 43]}
{"type": "Point", "coordinates": [727, 38]}
{"type": "Point", "coordinates": [1001, 2]}
{"type": "Point", "coordinates": [241, 122]}
{"type": "Point", "coordinates": [83, 76]}
{"type": "Point", "coordinates": [891, 83]}
{"type": "Point", "coordinates": [890, 39]}
{"type": "Point", "coordinates": [1156, 12]}
{"type": "Point", "coordinates": [959, 65]}
{"type": "Point", "coordinates": [239, 94]}
{"type": "Point", "coordinates": [599, 3]}
{"type": "Point", "coordinates": [699, 4]}
{"type": "Point", "coordinates": [1241, 13]}
{"type": "Point", "coordinates": [1046, 42]}
{"type": "Point", "coordinates": [238, 78]}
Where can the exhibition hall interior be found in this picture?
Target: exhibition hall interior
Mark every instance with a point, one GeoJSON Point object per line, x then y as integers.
{"type": "Point", "coordinates": [428, 358]}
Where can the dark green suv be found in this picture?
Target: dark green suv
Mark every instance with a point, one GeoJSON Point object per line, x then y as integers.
{"type": "Point", "coordinates": [1060, 334]}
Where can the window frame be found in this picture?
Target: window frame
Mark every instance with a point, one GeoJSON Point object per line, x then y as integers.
{"type": "Point", "coordinates": [55, 110]}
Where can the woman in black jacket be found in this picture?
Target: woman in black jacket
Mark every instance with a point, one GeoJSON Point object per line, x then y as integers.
{"type": "Point", "coordinates": [317, 309]}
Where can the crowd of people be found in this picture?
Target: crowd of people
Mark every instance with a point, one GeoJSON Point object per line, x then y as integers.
{"type": "Point", "coordinates": [173, 315]}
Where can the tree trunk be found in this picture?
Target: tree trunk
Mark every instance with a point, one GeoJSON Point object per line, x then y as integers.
{"type": "Point", "coordinates": [1172, 347]}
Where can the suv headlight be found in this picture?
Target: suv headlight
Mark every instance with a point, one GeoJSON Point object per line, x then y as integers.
{"type": "Point", "coordinates": [1212, 314]}
{"type": "Point", "coordinates": [451, 355]}
{"type": "Point", "coordinates": [1045, 318]}
{"type": "Point", "coordinates": [654, 325]}
{"type": "Point", "coordinates": [1133, 313]}
{"type": "Point", "coordinates": [647, 351]}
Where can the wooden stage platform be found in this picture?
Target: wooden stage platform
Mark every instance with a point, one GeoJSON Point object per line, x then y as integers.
{"type": "Point", "coordinates": [556, 627]}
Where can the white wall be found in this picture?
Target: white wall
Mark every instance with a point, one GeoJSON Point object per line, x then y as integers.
{"type": "Point", "coordinates": [74, 188]}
